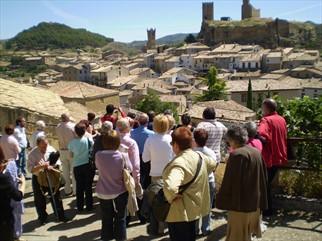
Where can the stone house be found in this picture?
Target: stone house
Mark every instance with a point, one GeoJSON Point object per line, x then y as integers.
{"type": "Point", "coordinates": [187, 61]}
{"type": "Point", "coordinates": [272, 61]}
{"type": "Point", "coordinates": [34, 61]}
{"type": "Point", "coordinates": [296, 59]}
{"type": "Point", "coordinates": [172, 62]}
{"type": "Point", "coordinates": [34, 104]}
{"type": "Point", "coordinates": [79, 72]}
{"type": "Point", "coordinates": [180, 101]}
{"type": "Point", "coordinates": [178, 74]}
{"type": "Point", "coordinates": [143, 73]}
{"type": "Point", "coordinates": [227, 112]}
{"type": "Point", "coordinates": [160, 64]}
{"type": "Point", "coordinates": [286, 88]}
{"type": "Point", "coordinates": [305, 73]}
{"type": "Point", "coordinates": [104, 75]}
{"type": "Point", "coordinates": [91, 96]}
{"type": "Point", "coordinates": [192, 48]}
{"type": "Point", "coordinates": [149, 60]}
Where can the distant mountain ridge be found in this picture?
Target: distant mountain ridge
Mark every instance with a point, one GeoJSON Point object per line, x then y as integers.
{"type": "Point", "coordinates": [55, 35]}
{"type": "Point", "coordinates": [171, 39]}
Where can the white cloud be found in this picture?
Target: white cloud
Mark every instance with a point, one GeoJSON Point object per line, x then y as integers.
{"type": "Point", "coordinates": [64, 15]}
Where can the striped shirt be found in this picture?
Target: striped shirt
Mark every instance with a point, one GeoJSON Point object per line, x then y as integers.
{"type": "Point", "coordinates": [216, 131]}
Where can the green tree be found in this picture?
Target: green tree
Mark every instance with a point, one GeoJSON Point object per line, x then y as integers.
{"type": "Point", "coordinates": [216, 87]}
{"type": "Point", "coordinates": [190, 39]}
{"type": "Point", "coordinates": [250, 95]}
{"type": "Point", "coordinates": [153, 102]}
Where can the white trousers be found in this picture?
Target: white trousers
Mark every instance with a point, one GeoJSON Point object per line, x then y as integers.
{"type": "Point", "coordinates": [68, 173]}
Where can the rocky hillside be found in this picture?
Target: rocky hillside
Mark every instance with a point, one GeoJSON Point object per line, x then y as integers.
{"type": "Point", "coordinates": [55, 35]}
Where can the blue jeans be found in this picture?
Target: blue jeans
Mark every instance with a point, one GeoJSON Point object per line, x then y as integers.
{"type": "Point", "coordinates": [206, 220]}
{"type": "Point", "coordinates": [114, 218]}
{"type": "Point", "coordinates": [21, 162]}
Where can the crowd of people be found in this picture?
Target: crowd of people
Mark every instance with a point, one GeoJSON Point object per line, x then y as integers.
{"type": "Point", "coordinates": [179, 160]}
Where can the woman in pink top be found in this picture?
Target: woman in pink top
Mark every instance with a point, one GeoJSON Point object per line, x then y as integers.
{"type": "Point", "coordinates": [251, 128]}
{"type": "Point", "coordinates": [110, 187]}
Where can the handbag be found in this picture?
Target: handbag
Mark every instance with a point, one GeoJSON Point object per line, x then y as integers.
{"type": "Point", "coordinates": [130, 186]}
{"type": "Point", "coordinates": [160, 205]}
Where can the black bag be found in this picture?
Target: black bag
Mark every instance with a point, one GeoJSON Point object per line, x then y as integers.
{"type": "Point", "coordinates": [160, 205]}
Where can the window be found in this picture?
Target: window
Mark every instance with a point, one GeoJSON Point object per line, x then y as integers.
{"type": "Point", "coordinates": [243, 98]}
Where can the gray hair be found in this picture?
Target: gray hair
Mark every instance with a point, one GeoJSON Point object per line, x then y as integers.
{"type": "Point", "coordinates": [251, 128]}
{"type": "Point", "coordinates": [123, 125]}
{"type": "Point", "coordinates": [237, 134]}
{"type": "Point", "coordinates": [40, 125]}
{"type": "Point", "coordinates": [143, 119]}
{"type": "Point", "coordinates": [106, 127]}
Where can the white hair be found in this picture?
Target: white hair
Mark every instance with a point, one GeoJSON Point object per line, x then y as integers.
{"type": "Point", "coordinates": [106, 126]}
{"type": "Point", "coordinates": [123, 125]}
{"type": "Point", "coordinates": [40, 125]}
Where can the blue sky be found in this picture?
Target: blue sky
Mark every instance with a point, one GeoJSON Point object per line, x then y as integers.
{"type": "Point", "coordinates": [127, 20]}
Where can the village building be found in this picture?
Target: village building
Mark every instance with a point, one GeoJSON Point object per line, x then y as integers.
{"type": "Point", "coordinates": [305, 72]}
{"type": "Point", "coordinates": [111, 55]}
{"type": "Point", "coordinates": [93, 97]}
{"type": "Point", "coordinates": [296, 59]}
{"type": "Point", "coordinates": [180, 101]}
{"type": "Point", "coordinates": [192, 48]}
{"type": "Point", "coordinates": [104, 75]}
{"type": "Point", "coordinates": [34, 61]}
{"type": "Point", "coordinates": [286, 88]}
{"type": "Point", "coordinates": [227, 112]}
{"type": "Point", "coordinates": [179, 74]}
{"type": "Point", "coordinates": [143, 73]}
{"type": "Point", "coordinates": [131, 66]}
{"type": "Point", "coordinates": [34, 104]}
{"type": "Point", "coordinates": [160, 62]}
{"type": "Point", "coordinates": [122, 83]}
{"type": "Point", "coordinates": [149, 60]}
{"type": "Point", "coordinates": [65, 60]}
{"type": "Point", "coordinates": [79, 72]}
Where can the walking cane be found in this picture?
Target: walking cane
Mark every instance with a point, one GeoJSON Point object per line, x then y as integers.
{"type": "Point", "coordinates": [51, 194]}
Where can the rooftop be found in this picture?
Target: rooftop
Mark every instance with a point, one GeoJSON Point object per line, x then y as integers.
{"type": "Point", "coordinates": [34, 99]}
{"type": "Point", "coordinates": [287, 83]}
{"type": "Point", "coordinates": [228, 110]}
{"type": "Point", "coordinates": [80, 90]}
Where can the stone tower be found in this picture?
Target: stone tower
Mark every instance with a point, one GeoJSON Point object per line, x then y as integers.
{"type": "Point", "coordinates": [151, 44]}
{"type": "Point", "coordinates": [207, 11]}
{"type": "Point", "coordinates": [248, 11]}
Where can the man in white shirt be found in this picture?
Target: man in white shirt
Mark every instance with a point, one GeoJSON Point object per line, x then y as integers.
{"type": "Point", "coordinates": [20, 135]}
{"type": "Point", "coordinates": [65, 133]}
{"type": "Point", "coordinates": [215, 129]}
{"type": "Point", "coordinates": [9, 145]}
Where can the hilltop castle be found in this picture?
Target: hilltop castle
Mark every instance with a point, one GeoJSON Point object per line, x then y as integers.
{"type": "Point", "coordinates": [252, 29]}
{"type": "Point", "coordinates": [248, 11]}
{"type": "Point", "coordinates": [151, 44]}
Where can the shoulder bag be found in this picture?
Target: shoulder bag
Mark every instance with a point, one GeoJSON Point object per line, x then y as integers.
{"type": "Point", "coordinates": [160, 205]}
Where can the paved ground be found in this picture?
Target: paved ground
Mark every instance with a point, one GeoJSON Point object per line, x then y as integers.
{"type": "Point", "coordinates": [287, 225]}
